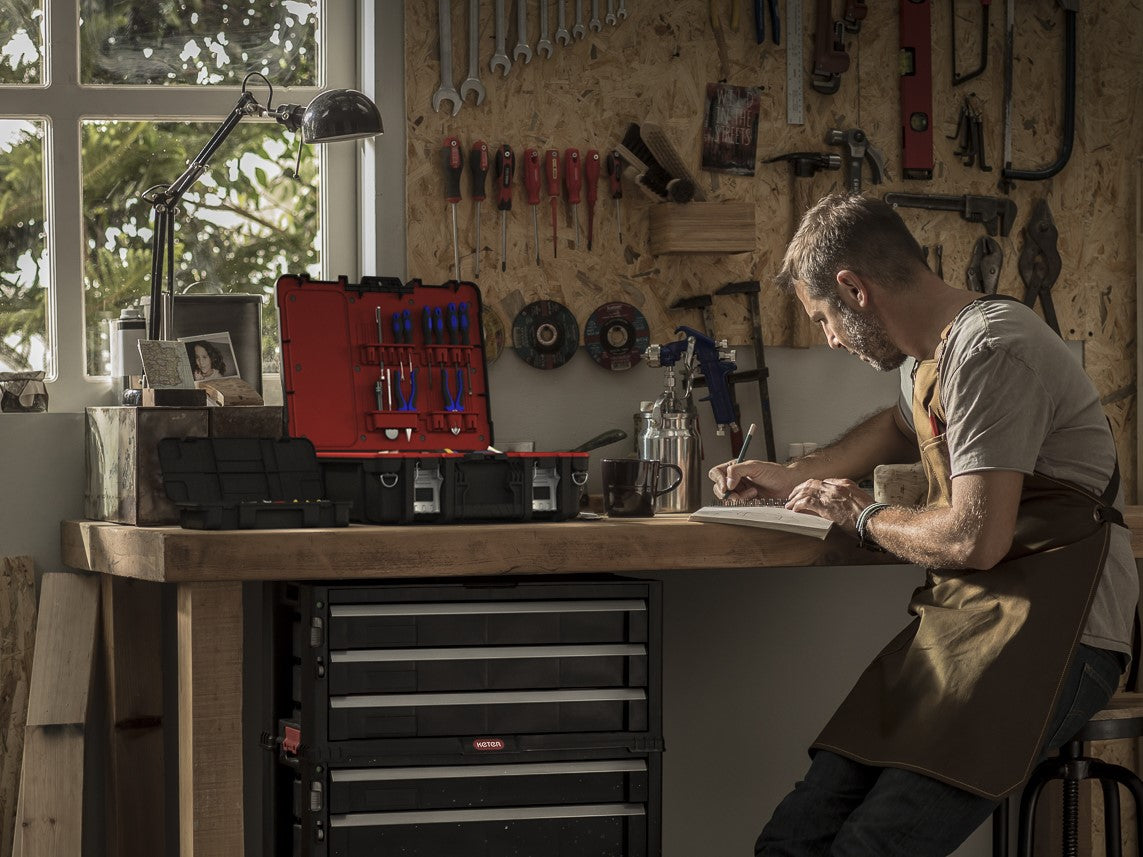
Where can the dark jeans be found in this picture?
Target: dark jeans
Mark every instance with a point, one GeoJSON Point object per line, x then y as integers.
{"type": "Point", "coordinates": [846, 809]}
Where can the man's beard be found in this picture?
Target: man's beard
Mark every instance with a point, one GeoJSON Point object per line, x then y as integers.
{"type": "Point", "coordinates": [868, 340]}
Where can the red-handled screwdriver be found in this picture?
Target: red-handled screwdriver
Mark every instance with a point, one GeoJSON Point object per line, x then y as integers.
{"type": "Point", "coordinates": [572, 182]}
{"type": "Point", "coordinates": [478, 167]}
{"type": "Point", "coordinates": [552, 180]}
{"type": "Point", "coordinates": [591, 174]}
{"type": "Point", "coordinates": [615, 184]}
{"type": "Point", "coordinates": [505, 168]}
{"type": "Point", "coordinates": [453, 165]}
{"type": "Point", "coordinates": [532, 188]}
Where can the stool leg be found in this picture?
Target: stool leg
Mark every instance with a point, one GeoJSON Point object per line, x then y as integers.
{"type": "Point", "coordinates": [1045, 771]}
{"type": "Point", "coordinates": [1113, 836]}
{"type": "Point", "coordinates": [1000, 817]}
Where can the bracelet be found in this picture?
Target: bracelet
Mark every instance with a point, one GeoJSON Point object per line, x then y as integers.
{"type": "Point", "coordinates": [863, 521]}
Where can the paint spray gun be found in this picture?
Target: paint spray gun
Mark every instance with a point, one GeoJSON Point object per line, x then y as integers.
{"type": "Point", "coordinates": [714, 362]}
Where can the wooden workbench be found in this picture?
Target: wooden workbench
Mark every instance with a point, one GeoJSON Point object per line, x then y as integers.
{"type": "Point", "coordinates": [209, 567]}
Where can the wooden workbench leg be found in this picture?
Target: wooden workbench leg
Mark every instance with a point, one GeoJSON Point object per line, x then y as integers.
{"type": "Point", "coordinates": [133, 653]}
{"type": "Point", "coordinates": [210, 719]}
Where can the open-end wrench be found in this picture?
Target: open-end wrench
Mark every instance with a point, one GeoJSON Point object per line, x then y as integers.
{"type": "Point", "coordinates": [563, 37]}
{"type": "Point", "coordinates": [446, 92]}
{"type": "Point", "coordinates": [500, 58]}
{"type": "Point", "coordinates": [544, 44]}
{"type": "Point", "coordinates": [472, 82]}
{"type": "Point", "coordinates": [611, 19]}
{"type": "Point", "coordinates": [622, 10]}
{"type": "Point", "coordinates": [579, 30]}
{"type": "Point", "coordinates": [595, 24]}
{"type": "Point", "coordinates": [522, 49]}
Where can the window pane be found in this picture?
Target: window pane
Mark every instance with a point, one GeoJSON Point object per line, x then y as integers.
{"type": "Point", "coordinates": [21, 41]}
{"type": "Point", "coordinates": [241, 225]}
{"type": "Point", "coordinates": [23, 248]}
{"type": "Point", "coordinates": [198, 42]}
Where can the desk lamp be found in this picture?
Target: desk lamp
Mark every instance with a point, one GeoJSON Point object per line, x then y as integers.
{"type": "Point", "coordinates": [336, 114]}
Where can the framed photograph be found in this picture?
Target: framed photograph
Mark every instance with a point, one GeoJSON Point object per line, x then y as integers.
{"type": "Point", "coordinates": [211, 356]}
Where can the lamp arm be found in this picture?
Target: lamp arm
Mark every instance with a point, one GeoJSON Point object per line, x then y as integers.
{"type": "Point", "coordinates": [247, 106]}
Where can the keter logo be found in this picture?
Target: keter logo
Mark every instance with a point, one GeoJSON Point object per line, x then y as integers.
{"type": "Point", "coordinates": [488, 744]}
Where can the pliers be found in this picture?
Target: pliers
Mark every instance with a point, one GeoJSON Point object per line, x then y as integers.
{"type": "Point", "coordinates": [409, 404]}
{"type": "Point", "coordinates": [1040, 262]}
{"type": "Point", "coordinates": [453, 404]}
{"type": "Point", "coordinates": [760, 22]}
{"type": "Point", "coordinates": [983, 272]}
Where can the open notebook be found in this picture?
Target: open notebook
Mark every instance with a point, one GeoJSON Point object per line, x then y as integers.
{"type": "Point", "coordinates": [769, 515]}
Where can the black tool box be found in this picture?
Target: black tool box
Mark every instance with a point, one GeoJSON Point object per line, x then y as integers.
{"type": "Point", "coordinates": [390, 383]}
{"type": "Point", "coordinates": [508, 716]}
{"type": "Point", "coordinates": [238, 483]}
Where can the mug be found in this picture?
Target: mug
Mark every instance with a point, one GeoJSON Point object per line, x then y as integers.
{"type": "Point", "coordinates": [630, 486]}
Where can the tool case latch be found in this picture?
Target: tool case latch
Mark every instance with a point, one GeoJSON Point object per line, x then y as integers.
{"type": "Point", "coordinates": [388, 285]}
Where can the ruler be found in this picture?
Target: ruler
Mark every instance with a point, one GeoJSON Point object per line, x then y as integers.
{"type": "Point", "coordinates": [795, 64]}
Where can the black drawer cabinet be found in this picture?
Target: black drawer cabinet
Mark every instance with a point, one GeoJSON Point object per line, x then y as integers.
{"type": "Point", "coordinates": [500, 718]}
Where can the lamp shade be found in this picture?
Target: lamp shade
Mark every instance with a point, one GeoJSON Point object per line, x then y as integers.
{"type": "Point", "coordinates": [340, 114]}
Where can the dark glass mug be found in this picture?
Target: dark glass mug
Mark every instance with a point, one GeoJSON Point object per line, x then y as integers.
{"type": "Point", "coordinates": [630, 486]}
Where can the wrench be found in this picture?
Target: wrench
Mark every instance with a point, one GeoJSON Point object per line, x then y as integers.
{"type": "Point", "coordinates": [563, 37]}
{"type": "Point", "coordinates": [579, 30]}
{"type": "Point", "coordinates": [446, 92]}
{"type": "Point", "coordinates": [622, 10]}
{"type": "Point", "coordinates": [611, 13]}
{"type": "Point", "coordinates": [595, 24]}
{"type": "Point", "coordinates": [472, 82]}
{"type": "Point", "coordinates": [500, 58]}
{"type": "Point", "coordinates": [544, 44]}
{"type": "Point", "coordinates": [522, 48]}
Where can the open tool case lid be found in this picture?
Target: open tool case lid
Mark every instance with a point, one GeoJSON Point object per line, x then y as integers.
{"type": "Point", "coordinates": [348, 373]}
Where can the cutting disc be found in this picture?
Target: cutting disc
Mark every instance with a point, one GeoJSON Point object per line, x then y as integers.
{"type": "Point", "coordinates": [545, 334]}
{"type": "Point", "coordinates": [492, 334]}
{"type": "Point", "coordinates": [616, 335]}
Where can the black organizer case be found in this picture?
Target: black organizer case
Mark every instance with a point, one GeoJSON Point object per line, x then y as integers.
{"type": "Point", "coordinates": [493, 718]}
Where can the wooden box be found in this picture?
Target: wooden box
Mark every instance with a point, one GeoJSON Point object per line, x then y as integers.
{"type": "Point", "coordinates": [124, 481]}
{"type": "Point", "coordinates": [702, 227]}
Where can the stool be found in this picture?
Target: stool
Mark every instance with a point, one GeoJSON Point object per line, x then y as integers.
{"type": "Point", "coordinates": [1122, 718]}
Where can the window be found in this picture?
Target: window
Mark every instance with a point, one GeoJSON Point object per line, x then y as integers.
{"type": "Point", "coordinates": [156, 79]}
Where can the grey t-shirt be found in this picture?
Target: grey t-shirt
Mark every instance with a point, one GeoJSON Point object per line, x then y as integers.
{"type": "Point", "coordinates": [1017, 399]}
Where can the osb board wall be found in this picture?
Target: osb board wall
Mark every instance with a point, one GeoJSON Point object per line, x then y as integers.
{"type": "Point", "coordinates": [654, 67]}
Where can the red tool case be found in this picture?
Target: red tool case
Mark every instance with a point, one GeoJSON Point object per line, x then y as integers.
{"type": "Point", "coordinates": [352, 356]}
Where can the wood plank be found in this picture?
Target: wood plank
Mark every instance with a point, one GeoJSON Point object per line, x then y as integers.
{"type": "Point", "coordinates": [210, 719]}
{"type": "Point", "coordinates": [51, 799]}
{"type": "Point", "coordinates": [615, 545]}
{"type": "Point", "coordinates": [17, 633]}
{"type": "Point", "coordinates": [132, 645]}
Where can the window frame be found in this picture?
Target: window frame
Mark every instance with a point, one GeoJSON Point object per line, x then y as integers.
{"type": "Point", "coordinates": [64, 104]}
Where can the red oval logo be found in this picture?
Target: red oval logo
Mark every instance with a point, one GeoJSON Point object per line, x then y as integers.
{"type": "Point", "coordinates": [488, 744]}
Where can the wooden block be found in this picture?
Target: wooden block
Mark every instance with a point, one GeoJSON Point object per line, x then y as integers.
{"type": "Point", "coordinates": [51, 816]}
{"type": "Point", "coordinates": [900, 484]}
{"type": "Point", "coordinates": [17, 633]}
{"type": "Point", "coordinates": [230, 391]}
{"type": "Point", "coordinates": [702, 227]}
{"type": "Point", "coordinates": [65, 650]}
{"type": "Point", "coordinates": [132, 645]}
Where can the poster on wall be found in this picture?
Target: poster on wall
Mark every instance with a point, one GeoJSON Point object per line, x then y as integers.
{"type": "Point", "coordinates": [730, 130]}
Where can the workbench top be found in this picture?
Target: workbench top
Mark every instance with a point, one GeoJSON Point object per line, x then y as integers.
{"type": "Point", "coordinates": [174, 555]}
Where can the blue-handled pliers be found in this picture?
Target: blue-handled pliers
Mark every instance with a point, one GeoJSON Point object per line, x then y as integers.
{"type": "Point", "coordinates": [409, 404]}
{"type": "Point", "coordinates": [453, 404]}
{"type": "Point", "coordinates": [760, 22]}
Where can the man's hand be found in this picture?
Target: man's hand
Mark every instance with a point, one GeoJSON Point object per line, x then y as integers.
{"type": "Point", "coordinates": [839, 500]}
{"type": "Point", "coordinates": [750, 480]}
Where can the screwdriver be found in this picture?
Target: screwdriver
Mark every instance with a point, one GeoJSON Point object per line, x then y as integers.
{"type": "Point", "coordinates": [614, 176]}
{"type": "Point", "coordinates": [478, 167]}
{"type": "Point", "coordinates": [505, 167]}
{"type": "Point", "coordinates": [572, 182]}
{"type": "Point", "coordinates": [453, 164]}
{"type": "Point", "coordinates": [591, 173]}
{"type": "Point", "coordinates": [532, 188]}
{"type": "Point", "coordinates": [552, 179]}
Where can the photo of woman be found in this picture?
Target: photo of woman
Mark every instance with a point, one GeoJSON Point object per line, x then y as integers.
{"type": "Point", "coordinates": [206, 360]}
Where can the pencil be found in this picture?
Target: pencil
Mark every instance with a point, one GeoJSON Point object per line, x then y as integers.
{"type": "Point", "coordinates": [745, 444]}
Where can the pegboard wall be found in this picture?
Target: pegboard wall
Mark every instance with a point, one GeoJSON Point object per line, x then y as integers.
{"type": "Point", "coordinates": [654, 67]}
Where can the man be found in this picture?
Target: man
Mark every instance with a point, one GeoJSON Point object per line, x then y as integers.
{"type": "Point", "coordinates": [1023, 626]}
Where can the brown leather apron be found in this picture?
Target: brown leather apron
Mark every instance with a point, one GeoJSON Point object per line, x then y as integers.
{"type": "Point", "coordinates": [965, 693]}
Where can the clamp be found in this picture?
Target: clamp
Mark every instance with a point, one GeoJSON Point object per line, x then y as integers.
{"type": "Point", "coordinates": [1040, 262]}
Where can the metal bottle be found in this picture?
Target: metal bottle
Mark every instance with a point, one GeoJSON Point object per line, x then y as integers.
{"type": "Point", "coordinates": [671, 436]}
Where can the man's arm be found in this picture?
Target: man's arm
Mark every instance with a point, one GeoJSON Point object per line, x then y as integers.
{"type": "Point", "coordinates": [881, 439]}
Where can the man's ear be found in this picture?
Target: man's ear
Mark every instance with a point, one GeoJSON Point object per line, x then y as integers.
{"type": "Point", "coordinates": [852, 289]}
